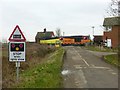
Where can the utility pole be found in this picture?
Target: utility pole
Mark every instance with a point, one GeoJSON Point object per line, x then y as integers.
{"type": "Point", "coordinates": [93, 35]}
{"type": "Point", "coordinates": [93, 30]}
{"type": "Point", "coordinates": [118, 8]}
{"type": "Point", "coordinates": [63, 33]}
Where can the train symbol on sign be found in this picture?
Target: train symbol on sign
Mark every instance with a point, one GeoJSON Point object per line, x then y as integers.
{"type": "Point", "coordinates": [17, 51]}
{"type": "Point", "coordinates": [17, 46]}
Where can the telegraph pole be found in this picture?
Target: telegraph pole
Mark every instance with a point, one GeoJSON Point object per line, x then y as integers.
{"type": "Point", "coordinates": [93, 30]}
{"type": "Point", "coordinates": [118, 8]}
{"type": "Point", "coordinates": [63, 33]}
{"type": "Point", "coordinates": [92, 34]}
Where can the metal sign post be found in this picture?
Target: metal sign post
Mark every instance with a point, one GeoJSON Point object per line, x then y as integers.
{"type": "Point", "coordinates": [17, 70]}
{"type": "Point", "coordinates": [17, 48]}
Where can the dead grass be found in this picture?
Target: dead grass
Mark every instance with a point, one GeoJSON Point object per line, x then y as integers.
{"type": "Point", "coordinates": [34, 55]}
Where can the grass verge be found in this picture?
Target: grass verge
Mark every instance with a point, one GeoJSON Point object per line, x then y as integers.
{"type": "Point", "coordinates": [101, 49]}
{"type": "Point", "coordinates": [35, 54]}
{"type": "Point", "coordinates": [112, 59]}
{"type": "Point", "coordinates": [46, 75]}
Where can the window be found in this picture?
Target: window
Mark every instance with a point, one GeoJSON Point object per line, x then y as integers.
{"type": "Point", "coordinates": [108, 28]}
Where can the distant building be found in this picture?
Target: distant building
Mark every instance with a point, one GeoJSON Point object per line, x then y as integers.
{"type": "Point", "coordinates": [98, 39]}
{"type": "Point", "coordinates": [112, 32]}
{"type": "Point", "coordinates": [43, 35]}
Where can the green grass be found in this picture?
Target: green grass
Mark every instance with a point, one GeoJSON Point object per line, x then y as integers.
{"type": "Point", "coordinates": [95, 48]}
{"type": "Point", "coordinates": [46, 75]}
{"type": "Point", "coordinates": [112, 59]}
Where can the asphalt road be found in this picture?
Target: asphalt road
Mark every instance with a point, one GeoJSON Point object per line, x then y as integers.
{"type": "Point", "coordinates": [85, 69]}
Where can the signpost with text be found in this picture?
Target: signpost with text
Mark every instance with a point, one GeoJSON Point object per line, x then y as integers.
{"type": "Point", "coordinates": [17, 51]}
{"type": "Point", "coordinates": [17, 48]}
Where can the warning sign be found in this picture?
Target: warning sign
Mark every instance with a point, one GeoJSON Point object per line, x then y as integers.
{"type": "Point", "coordinates": [17, 35]}
{"type": "Point", "coordinates": [17, 51]}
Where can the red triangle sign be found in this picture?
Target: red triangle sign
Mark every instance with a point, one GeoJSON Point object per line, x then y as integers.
{"type": "Point", "coordinates": [17, 35]}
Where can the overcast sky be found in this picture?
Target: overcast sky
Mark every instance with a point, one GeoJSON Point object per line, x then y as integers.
{"type": "Point", "coordinates": [74, 17]}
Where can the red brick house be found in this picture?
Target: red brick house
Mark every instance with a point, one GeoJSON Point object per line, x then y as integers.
{"type": "Point", "coordinates": [112, 31]}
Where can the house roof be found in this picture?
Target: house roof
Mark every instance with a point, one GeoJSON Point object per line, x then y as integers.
{"type": "Point", "coordinates": [111, 21]}
{"type": "Point", "coordinates": [44, 35]}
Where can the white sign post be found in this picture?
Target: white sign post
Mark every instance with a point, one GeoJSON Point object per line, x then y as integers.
{"type": "Point", "coordinates": [17, 48]}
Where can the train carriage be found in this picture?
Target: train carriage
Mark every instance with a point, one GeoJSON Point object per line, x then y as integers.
{"type": "Point", "coordinates": [67, 40]}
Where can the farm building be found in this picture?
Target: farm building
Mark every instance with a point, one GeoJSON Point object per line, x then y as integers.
{"type": "Point", "coordinates": [112, 32]}
{"type": "Point", "coordinates": [43, 35]}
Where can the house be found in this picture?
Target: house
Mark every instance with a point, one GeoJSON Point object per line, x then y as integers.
{"type": "Point", "coordinates": [111, 35]}
{"type": "Point", "coordinates": [98, 39]}
{"type": "Point", "coordinates": [43, 35]}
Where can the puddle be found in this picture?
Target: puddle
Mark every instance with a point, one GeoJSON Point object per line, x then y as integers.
{"type": "Point", "coordinates": [65, 72]}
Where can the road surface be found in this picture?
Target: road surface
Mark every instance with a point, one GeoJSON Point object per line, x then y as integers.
{"type": "Point", "coordinates": [85, 69]}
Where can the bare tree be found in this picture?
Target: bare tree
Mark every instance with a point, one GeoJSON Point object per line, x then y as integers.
{"type": "Point", "coordinates": [58, 32]}
{"type": "Point", "coordinates": [114, 8]}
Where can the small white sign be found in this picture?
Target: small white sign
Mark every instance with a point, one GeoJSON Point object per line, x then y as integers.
{"type": "Point", "coordinates": [16, 51]}
{"type": "Point", "coordinates": [109, 43]}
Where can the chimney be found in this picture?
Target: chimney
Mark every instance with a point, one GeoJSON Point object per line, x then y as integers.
{"type": "Point", "coordinates": [44, 30]}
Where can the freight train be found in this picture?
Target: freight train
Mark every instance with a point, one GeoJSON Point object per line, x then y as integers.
{"type": "Point", "coordinates": [51, 41]}
{"type": "Point", "coordinates": [75, 40]}
{"type": "Point", "coordinates": [67, 40]}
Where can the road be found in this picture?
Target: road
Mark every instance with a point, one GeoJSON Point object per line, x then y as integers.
{"type": "Point", "coordinates": [85, 69]}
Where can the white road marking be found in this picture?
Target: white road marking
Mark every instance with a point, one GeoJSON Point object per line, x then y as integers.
{"type": "Point", "coordinates": [86, 62]}
{"type": "Point", "coordinates": [100, 67]}
{"type": "Point", "coordinates": [78, 66]}
{"type": "Point", "coordinates": [110, 70]}
{"type": "Point", "coordinates": [82, 58]}
{"type": "Point", "coordinates": [114, 73]}
{"type": "Point", "coordinates": [93, 65]}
